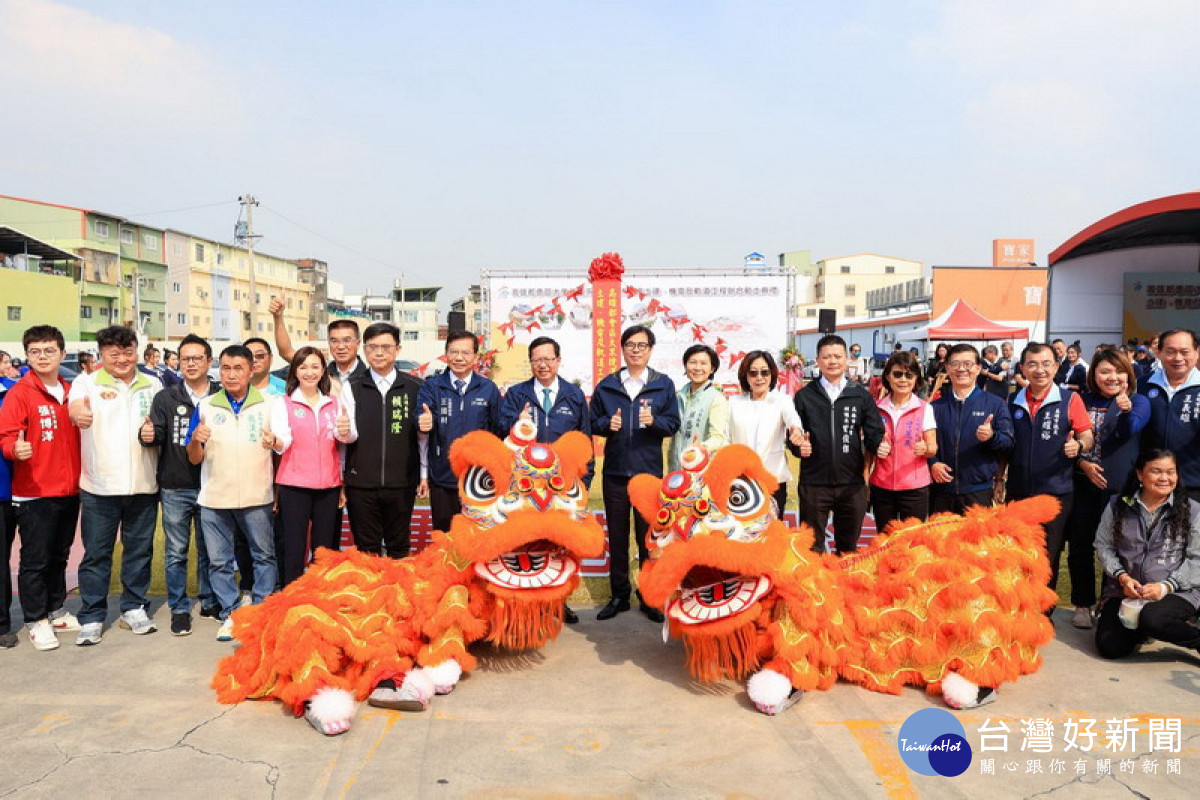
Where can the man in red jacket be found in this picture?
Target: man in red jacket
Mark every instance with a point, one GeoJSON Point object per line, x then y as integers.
{"type": "Point", "coordinates": [36, 434]}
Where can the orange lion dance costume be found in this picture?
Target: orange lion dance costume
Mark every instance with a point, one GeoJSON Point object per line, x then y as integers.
{"type": "Point", "coordinates": [955, 604]}
{"type": "Point", "coordinates": [501, 573]}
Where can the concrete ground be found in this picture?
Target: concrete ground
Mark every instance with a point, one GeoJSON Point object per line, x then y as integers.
{"type": "Point", "coordinates": [606, 711]}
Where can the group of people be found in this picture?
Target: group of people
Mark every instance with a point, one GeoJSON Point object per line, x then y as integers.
{"type": "Point", "coordinates": [103, 451]}
{"type": "Point", "coordinates": [259, 472]}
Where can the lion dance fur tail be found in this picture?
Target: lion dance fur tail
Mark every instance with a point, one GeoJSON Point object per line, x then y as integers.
{"type": "Point", "coordinates": [347, 623]}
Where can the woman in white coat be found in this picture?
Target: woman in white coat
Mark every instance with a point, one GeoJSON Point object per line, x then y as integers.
{"type": "Point", "coordinates": [763, 419]}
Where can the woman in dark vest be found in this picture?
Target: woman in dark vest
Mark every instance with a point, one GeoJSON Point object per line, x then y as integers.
{"type": "Point", "coordinates": [1118, 416]}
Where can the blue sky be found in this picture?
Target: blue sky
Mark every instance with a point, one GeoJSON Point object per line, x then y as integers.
{"type": "Point", "coordinates": [440, 138]}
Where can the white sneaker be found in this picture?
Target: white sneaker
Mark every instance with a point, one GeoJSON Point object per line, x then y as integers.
{"type": "Point", "coordinates": [1082, 618]}
{"type": "Point", "coordinates": [225, 632]}
{"type": "Point", "coordinates": [41, 635]}
{"type": "Point", "coordinates": [247, 600]}
{"type": "Point", "coordinates": [89, 633]}
{"type": "Point", "coordinates": [63, 621]}
{"type": "Point", "coordinates": [136, 620]}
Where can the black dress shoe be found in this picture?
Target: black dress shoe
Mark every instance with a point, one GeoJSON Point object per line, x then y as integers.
{"type": "Point", "coordinates": [613, 608]}
{"type": "Point", "coordinates": [652, 613]}
{"type": "Point", "coordinates": [569, 616]}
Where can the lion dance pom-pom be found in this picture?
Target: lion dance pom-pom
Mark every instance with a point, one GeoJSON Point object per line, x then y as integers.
{"type": "Point", "coordinates": [501, 573]}
{"type": "Point", "coordinates": [955, 604]}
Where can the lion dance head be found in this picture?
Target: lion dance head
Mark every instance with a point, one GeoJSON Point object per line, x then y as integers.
{"type": "Point", "coordinates": [501, 573]}
{"type": "Point", "coordinates": [956, 603]}
{"type": "Point", "coordinates": [524, 527]}
{"type": "Point", "coordinates": [715, 544]}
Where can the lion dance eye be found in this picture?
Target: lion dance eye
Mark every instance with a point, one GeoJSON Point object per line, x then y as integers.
{"type": "Point", "coordinates": [557, 483]}
{"type": "Point", "coordinates": [745, 497]}
{"type": "Point", "coordinates": [479, 485]}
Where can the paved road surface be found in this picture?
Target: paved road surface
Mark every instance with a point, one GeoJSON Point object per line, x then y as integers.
{"type": "Point", "coordinates": [606, 711]}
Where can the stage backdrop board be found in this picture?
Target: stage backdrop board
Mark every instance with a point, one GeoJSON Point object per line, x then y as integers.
{"type": "Point", "coordinates": [1159, 301]}
{"type": "Point", "coordinates": [733, 312]}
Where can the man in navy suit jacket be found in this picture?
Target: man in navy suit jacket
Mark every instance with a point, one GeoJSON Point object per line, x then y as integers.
{"type": "Point", "coordinates": [554, 405]}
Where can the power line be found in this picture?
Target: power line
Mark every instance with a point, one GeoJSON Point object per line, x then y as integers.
{"type": "Point", "coordinates": [180, 210]}
{"type": "Point", "coordinates": [328, 239]}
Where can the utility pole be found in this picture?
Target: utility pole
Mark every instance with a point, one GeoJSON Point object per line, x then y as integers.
{"type": "Point", "coordinates": [247, 236]}
{"type": "Point", "coordinates": [135, 279]}
{"type": "Point", "coordinates": [400, 322]}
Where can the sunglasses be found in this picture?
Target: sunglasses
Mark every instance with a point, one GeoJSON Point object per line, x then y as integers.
{"type": "Point", "coordinates": [758, 373]}
{"type": "Point", "coordinates": [898, 375]}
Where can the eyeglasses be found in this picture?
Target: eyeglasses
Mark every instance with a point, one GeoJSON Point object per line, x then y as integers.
{"type": "Point", "coordinates": [343, 341]}
{"type": "Point", "coordinates": [38, 352]}
{"type": "Point", "coordinates": [459, 353]}
{"type": "Point", "coordinates": [379, 348]}
{"type": "Point", "coordinates": [897, 375]}
{"type": "Point", "coordinates": [758, 373]}
{"type": "Point", "coordinates": [961, 364]}
{"type": "Point", "coordinates": [636, 347]}
{"type": "Point", "coordinates": [261, 356]}
{"type": "Point", "coordinates": [193, 359]}
{"type": "Point", "coordinates": [541, 362]}
{"type": "Point", "coordinates": [1039, 366]}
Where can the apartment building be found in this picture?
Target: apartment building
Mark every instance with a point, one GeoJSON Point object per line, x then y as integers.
{"type": "Point", "coordinates": [209, 291]}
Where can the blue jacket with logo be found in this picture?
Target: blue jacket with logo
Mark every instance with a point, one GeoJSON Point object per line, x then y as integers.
{"type": "Point", "coordinates": [634, 449]}
{"type": "Point", "coordinates": [1175, 423]}
{"type": "Point", "coordinates": [973, 464]}
{"type": "Point", "coordinates": [454, 416]}
{"type": "Point", "coordinates": [1038, 464]}
{"type": "Point", "coordinates": [569, 412]}
{"type": "Point", "coordinates": [1118, 436]}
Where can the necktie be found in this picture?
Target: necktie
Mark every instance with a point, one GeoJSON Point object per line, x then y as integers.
{"type": "Point", "coordinates": [459, 385]}
{"type": "Point", "coordinates": [546, 400]}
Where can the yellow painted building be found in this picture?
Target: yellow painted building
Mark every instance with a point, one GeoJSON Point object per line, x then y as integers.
{"type": "Point", "coordinates": [842, 283]}
{"type": "Point", "coordinates": [209, 293]}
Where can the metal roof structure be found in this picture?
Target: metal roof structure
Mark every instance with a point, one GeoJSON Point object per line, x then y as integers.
{"type": "Point", "coordinates": [1167, 220]}
{"type": "Point", "coordinates": [13, 242]}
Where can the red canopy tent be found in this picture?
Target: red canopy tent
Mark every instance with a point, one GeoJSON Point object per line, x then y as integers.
{"type": "Point", "coordinates": [961, 322]}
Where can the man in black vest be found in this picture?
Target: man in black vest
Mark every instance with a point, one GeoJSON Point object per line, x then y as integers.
{"type": "Point", "coordinates": [167, 427]}
{"type": "Point", "coordinates": [843, 427]}
{"type": "Point", "coordinates": [385, 469]}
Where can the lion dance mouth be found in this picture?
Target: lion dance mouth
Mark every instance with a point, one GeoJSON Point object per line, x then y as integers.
{"type": "Point", "coordinates": [725, 596]}
{"type": "Point", "coordinates": [538, 565]}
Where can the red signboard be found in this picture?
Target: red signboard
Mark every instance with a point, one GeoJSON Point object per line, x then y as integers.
{"type": "Point", "coordinates": [606, 328]}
